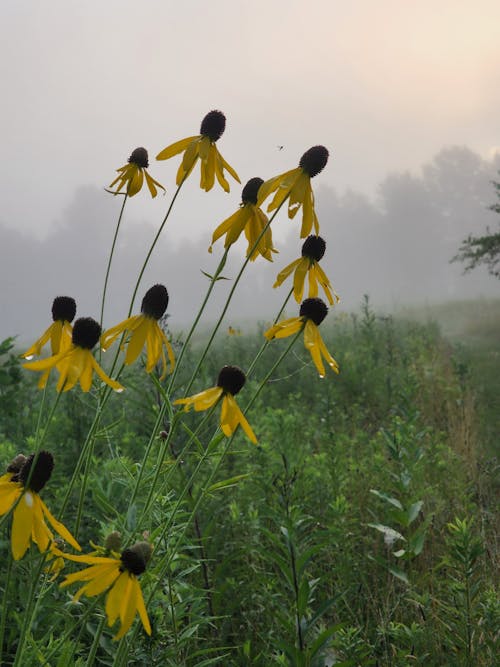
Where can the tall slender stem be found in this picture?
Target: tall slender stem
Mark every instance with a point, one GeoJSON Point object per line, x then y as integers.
{"type": "Point", "coordinates": [110, 259]}
{"type": "Point", "coordinates": [152, 247]}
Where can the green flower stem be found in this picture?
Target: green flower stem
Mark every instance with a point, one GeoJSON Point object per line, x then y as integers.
{"type": "Point", "coordinates": [90, 435]}
{"type": "Point", "coordinates": [29, 612]}
{"type": "Point", "coordinates": [39, 439]}
{"type": "Point", "coordinates": [197, 318]}
{"type": "Point", "coordinates": [95, 643]}
{"type": "Point", "coordinates": [267, 342]}
{"type": "Point", "coordinates": [121, 656]}
{"type": "Point", "coordinates": [149, 446]}
{"type": "Point", "coordinates": [152, 247]}
{"type": "Point", "coordinates": [228, 300]}
{"type": "Point", "coordinates": [108, 268]}
{"type": "Point", "coordinates": [78, 623]}
{"type": "Point", "coordinates": [151, 495]}
{"type": "Point", "coordinates": [5, 603]}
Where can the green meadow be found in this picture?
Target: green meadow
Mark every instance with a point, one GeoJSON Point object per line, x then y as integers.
{"type": "Point", "coordinates": [360, 530]}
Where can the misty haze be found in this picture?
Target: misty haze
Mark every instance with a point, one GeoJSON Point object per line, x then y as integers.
{"type": "Point", "coordinates": [395, 248]}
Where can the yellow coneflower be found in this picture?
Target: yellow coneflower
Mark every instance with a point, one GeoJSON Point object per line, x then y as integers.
{"type": "Point", "coordinates": [19, 488]}
{"type": "Point", "coordinates": [230, 381]}
{"type": "Point", "coordinates": [77, 363]}
{"type": "Point", "coordinates": [312, 313]}
{"type": "Point", "coordinates": [296, 186]}
{"type": "Point", "coordinates": [59, 332]}
{"type": "Point", "coordinates": [313, 250]}
{"type": "Point", "coordinates": [118, 573]}
{"type": "Point", "coordinates": [145, 330]}
{"type": "Point", "coordinates": [131, 175]}
{"type": "Point", "coordinates": [250, 219]}
{"type": "Point", "coordinates": [202, 146]}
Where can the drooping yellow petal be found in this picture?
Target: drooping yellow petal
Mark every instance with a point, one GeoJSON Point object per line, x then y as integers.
{"type": "Point", "coordinates": [329, 359]}
{"type": "Point", "coordinates": [331, 295]}
{"type": "Point", "coordinates": [232, 227]}
{"type": "Point", "coordinates": [152, 184]}
{"type": "Point", "coordinates": [46, 364]}
{"type": "Point", "coordinates": [285, 328]}
{"type": "Point", "coordinates": [311, 343]}
{"type": "Point", "coordinates": [232, 416]}
{"type": "Point", "coordinates": [309, 217]}
{"type": "Point", "coordinates": [273, 184]}
{"type": "Point", "coordinates": [298, 193]}
{"type": "Point", "coordinates": [99, 583]}
{"type": "Point", "coordinates": [9, 493]}
{"type": "Point", "coordinates": [59, 527]}
{"type": "Point", "coordinates": [110, 335]}
{"type": "Point", "coordinates": [127, 608]}
{"type": "Point", "coordinates": [317, 348]}
{"type": "Point", "coordinates": [256, 236]}
{"type": "Point", "coordinates": [115, 386]}
{"type": "Point", "coordinates": [138, 339]}
{"type": "Point", "coordinates": [284, 273]}
{"type": "Point", "coordinates": [201, 401]}
{"type": "Point", "coordinates": [114, 598]}
{"type": "Point", "coordinates": [228, 167]}
{"type": "Point", "coordinates": [36, 349]}
{"type": "Point", "coordinates": [176, 148]}
{"type": "Point", "coordinates": [40, 534]}
{"type": "Point", "coordinates": [169, 349]}
{"type": "Point", "coordinates": [190, 156]}
{"type": "Point", "coordinates": [71, 366]}
{"type": "Point", "coordinates": [219, 171]}
{"type": "Point", "coordinates": [207, 179]}
{"type": "Point", "coordinates": [299, 278]}
{"type": "Point", "coordinates": [22, 524]}
{"type": "Point", "coordinates": [141, 607]}
{"type": "Point", "coordinates": [136, 180]}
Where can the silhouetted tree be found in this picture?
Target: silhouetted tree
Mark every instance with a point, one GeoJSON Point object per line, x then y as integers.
{"type": "Point", "coordinates": [476, 250]}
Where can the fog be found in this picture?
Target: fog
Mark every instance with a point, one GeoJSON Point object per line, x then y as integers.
{"type": "Point", "coordinates": [383, 85]}
{"type": "Point", "coordinates": [395, 247]}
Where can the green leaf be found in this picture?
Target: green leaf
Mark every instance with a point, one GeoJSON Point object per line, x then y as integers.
{"type": "Point", "coordinates": [214, 278]}
{"type": "Point", "coordinates": [388, 499]}
{"type": "Point", "coordinates": [414, 511]}
{"type": "Point", "coordinates": [400, 574]}
{"type": "Point", "coordinates": [391, 534]}
{"type": "Point", "coordinates": [226, 483]}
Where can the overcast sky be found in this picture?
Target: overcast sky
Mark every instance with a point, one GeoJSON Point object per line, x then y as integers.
{"type": "Point", "coordinates": [384, 84]}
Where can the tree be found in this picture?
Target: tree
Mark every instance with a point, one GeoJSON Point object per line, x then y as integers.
{"type": "Point", "coordinates": [476, 250]}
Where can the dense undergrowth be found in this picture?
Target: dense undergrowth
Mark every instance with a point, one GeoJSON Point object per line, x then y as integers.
{"type": "Point", "coordinates": [360, 531]}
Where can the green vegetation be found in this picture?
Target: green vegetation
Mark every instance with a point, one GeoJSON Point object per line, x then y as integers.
{"type": "Point", "coordinates": [360, 531]}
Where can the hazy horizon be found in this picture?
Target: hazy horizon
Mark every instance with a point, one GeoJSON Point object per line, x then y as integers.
{"type": "Point", "coordinates": [405, 96]}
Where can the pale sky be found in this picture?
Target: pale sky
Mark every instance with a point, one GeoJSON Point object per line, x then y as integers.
{"type": "Point", "coordinates": [384, 84]}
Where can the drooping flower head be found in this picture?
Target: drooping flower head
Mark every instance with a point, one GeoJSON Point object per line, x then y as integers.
{"type": "Point", "coordinates": [143, 330]}
{"type": "Point", "coordinates": [312, 312]}
{"type": "Point", "coordinates": [250, 219]}
{"type": "Point", "coordinates": [77, 363]}
{"type": "Point", "coordinates": [202, 147]}
{"type": "Point", "coordinates": [313, 250]}
{"type": "Point", "coordinates": [20, 488]}
{"type": "Point", "coordinates": [230, 381]}
{"type": "Point", "coordinates": [131, 175]}
{"type": "Point", "coordinates": [296, 186]}
{"type": "Point", "coordinates": [118, 573]}
{"type": "Point", "coordinates": [59, 332]}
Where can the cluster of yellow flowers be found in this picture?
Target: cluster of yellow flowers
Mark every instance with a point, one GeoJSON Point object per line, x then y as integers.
{"type": "Point", "coordinates": [72, 345]}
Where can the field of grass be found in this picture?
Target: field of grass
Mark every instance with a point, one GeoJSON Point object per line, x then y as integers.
{"type": "Point", "coordinates": [360, 531]}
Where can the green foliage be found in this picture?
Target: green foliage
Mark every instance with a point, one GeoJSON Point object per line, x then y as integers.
{"type": "Point", "coordinates": [482, 250]}
{"type": "Point", "coordinates": [266, 552]}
